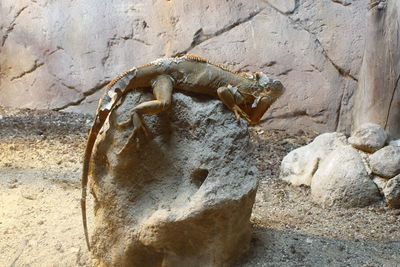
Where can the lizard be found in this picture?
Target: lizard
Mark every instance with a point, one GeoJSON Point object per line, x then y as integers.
{"type": "Point", "coordinates": [379, 4]}
{"type": "Point", "coordinates": [247, 95]}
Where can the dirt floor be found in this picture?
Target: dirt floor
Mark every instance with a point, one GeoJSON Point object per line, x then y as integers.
{"type": "Point", "coordinates": [40, 220]}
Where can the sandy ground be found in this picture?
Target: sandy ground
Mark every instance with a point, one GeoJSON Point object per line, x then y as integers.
{"type": "Point", "coordinates": [40, 220]}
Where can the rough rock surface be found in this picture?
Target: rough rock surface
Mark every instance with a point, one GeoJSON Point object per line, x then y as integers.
{"type": "Point", "coordinates": [299, 166]}
{"type": "Point", "coordinates": [369, 137]}
{"type": "Point", "coordinates": [68, 50]}
{"type": "Point", "coordinates": [341, 175]}
{"type": "Point", "coordinates": [394, 142]}
{"type": "Point", "coordinates": [386, 161]}
{"type": "Point", "coordinates": [183, 197]}
{"type": "Point", "coordinates": [392, 192]}
{"type": "Point", "coordinates": [380, 182]}
{"type": "Point", "coordinates": [342, 180]}
{"type": "Point", "coordinates": [378, 93]}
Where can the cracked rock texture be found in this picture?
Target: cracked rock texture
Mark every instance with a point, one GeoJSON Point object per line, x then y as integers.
{"type": "Point", "coordinates": [183, 197]}
{"type": "Point", "coordinates": [378, 96]}
{"type": "Point", "coordinates": [60, 54]}
{"type": "Point", "coordinates": [369, 137]}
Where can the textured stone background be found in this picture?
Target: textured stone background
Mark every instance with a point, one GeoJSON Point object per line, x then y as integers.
{"type": "Point", "coordinates": [60, 54]}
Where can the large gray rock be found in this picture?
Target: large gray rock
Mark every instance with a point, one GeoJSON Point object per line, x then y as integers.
{"type": "Point", "coordinates": [392, 192]}
{"type": "Point", "coordinates": [342, 180]}
{"type": "Point", "coordinates": [181, 198]}
{"type": "Point", "coordinates": [369, 137]}
{"type": "Point", "coordinates": [386, 161]}
{"type": "Point", "coordinates": [299, 166]}
{"type": "Point", "coordinates": [60, 54]}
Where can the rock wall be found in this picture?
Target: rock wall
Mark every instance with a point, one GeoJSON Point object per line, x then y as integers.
{"type": "Point", "coordinates": [378, 95]}
{"type": "Point", "coordinates": [60, 54]}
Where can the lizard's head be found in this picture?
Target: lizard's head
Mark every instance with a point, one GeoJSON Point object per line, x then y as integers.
{"type": "Point", "coordinates": [266, 91]}
{"type": "Point", "coordinates": [268, 86]}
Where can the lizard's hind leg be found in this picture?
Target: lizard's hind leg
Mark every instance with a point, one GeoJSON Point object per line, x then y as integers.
{"type": "Point", "coordinates": [162, 91]}
{"type": "Point", "coordinates": [138, 127]}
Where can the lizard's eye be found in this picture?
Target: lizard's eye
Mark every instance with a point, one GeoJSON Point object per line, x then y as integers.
{"type": "Point", "coordinates": [263, 80]}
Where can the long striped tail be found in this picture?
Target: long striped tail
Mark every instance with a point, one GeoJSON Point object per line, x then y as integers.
{"type": "Point", "coordinates": [85, 174]}
{"type": "Point", "coordinates": [115, 90]}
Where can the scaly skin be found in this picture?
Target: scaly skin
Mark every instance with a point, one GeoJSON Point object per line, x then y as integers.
{"type": "Point", "coordinates": [379, 4]}
{"type": "Point", "coordinates": [247, 95]}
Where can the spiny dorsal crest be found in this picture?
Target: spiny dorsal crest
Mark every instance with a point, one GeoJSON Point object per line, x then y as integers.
{"type": "Point", "coordinates": [204, 60]}
{"type": "Point", "coordinates": [192, 58]}
{"type": "Point", "coordinates": [120, 76]}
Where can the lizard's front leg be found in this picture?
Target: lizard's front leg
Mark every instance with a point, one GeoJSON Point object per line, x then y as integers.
{"type": "Point", "coordinates": [231, 98]}
{"type": "Point", "coordinates": [162, 90]}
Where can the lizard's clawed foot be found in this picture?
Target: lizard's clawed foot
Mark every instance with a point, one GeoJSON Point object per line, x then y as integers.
{"type": "Point", "coordinates": [240, 113]}
{"type": "Point", "coordinates": [139, 130]}
{"type": "Point", "coordinates": [379, 4]}
{"type": "Point", "coordinates": [124, 124]}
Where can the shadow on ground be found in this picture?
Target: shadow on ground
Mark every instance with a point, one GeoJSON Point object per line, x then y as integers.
{"type": "Point", "coordinates": [272, 247]}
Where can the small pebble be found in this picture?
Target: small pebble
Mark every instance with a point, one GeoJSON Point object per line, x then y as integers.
{"type": "Point", "coordinates": [12, 186]}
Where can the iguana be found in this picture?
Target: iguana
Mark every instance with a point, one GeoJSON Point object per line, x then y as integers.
{"type": "Point", "coordinates": [379, 4]}
{"type": "Point", "coordinates": [248, 95]}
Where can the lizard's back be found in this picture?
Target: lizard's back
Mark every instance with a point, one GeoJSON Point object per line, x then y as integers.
{"type": "Point", "coordinates": [189, 74]}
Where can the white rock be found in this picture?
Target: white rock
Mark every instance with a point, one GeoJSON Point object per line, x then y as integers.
{"type": "Point", "coordinates": [380, 183]}
{"type": "Point", "coordinates": [299, 166]}
{"type": "Point", "coordinates": [369, 137]}
{"type": "Point", "coordinates": [342, 180]}
{"type": "Point", "coordinates": [386, 161]}
{"type": "Point", "coordinates": [392, 192]}
{"type": "Point", "coordinates": [394, 142]}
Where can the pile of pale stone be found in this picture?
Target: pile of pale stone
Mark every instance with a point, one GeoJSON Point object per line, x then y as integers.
{"type": "Point", "coordinates": [347, 172]}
